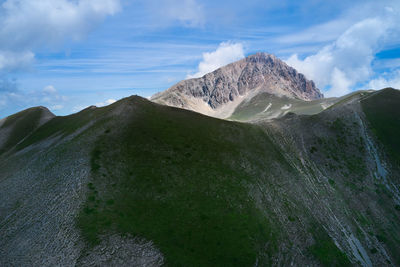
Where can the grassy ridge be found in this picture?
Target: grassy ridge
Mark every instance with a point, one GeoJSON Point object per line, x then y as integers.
{"type": "Point", "coordinates": [62, 126]}
{"type": "Point", "coordinates": [178, 178]}
{"type": "Point", "coordinates": [23, 123]}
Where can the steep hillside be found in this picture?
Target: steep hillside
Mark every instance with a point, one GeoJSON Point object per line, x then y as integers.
{"type": "Point", "coordinates": [219, 92]}
{"type": "Point", "coordinates": [383, 114]}
{"type": "Point", "coordinates": [15, 128]}
{"type": "Point", "coordinates": [355, 176]}
{"type": "Point", "coordinates": [137, 183]}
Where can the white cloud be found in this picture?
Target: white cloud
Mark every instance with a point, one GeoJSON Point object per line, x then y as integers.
{"type": "Point", "coordinates": [56, 107]}
{"type": "Point", "coordinates": [106, 103]}
{"type": "Point", "coordinates": [188, 12]}
{"type": "Point", "coordinates": [10, 60]}
{"type": "Point", "coordinates": [26, 25]}
{"type": "Point", "coordinates": [386, 80]}
{"type": "Point", "coordinates": [48, 95]}
{"type": "Point", "coordinates": [226, 53]}
{"type": "Point", "coordinates": [21, 99]}
{"type": "Point", "coordinates": [49, 89]}
{"type": "Point", "coordinates": [339, 66]}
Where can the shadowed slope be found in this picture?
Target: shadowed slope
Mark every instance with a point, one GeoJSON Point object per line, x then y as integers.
{"type": "Point", "coordinates": [17, 127]}
{"type": "Point", "coordinates": [383, 113]}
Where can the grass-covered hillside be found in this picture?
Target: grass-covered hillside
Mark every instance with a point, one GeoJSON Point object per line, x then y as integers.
{"type": "Point", "coordinates": [137, 183]}
{"type": "Point", "coordinates": [15, 128]}
{"type": "Point", "coordinates": [184, 181]}
{"type": "Point", "coordinates": [383, 114]}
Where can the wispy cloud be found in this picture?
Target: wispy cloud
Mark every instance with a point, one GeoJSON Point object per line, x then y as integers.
{"type": "Point", "coordinates": [7, 85]}
{"type": "Point", "coordinates": [188, 12]}
{"type": "Point", "coordinates": [325, 32]}
{"type": "Point", "coordinates": [162, 13]}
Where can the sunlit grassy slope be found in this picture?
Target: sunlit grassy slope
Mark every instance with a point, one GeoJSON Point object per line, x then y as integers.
{"type": "Point", "coordinates": [265, 106]}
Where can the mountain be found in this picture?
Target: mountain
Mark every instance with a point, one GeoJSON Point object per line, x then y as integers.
{"type": "Point", "coordinates": [15, 128]}
{"type": "Point", "coordinates": [142, 184]}
{"type": "Point", "coordinates": [218, 93]}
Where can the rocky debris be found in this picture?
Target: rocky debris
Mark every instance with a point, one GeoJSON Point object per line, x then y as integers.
{"type": "Point", "coordinates": [122, 251]}
{"type": "Point", "coordinates": [41, 192]}
{"type": "Point", "coordinates": [260, 72]}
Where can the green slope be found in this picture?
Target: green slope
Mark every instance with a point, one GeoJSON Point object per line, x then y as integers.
{"type": "Point", "coordinates": [210, 192]}
{"type": "Point", "coordinates": [178, 178]}
{"type": "Point", "coordinates": [21, 125]}
{"type": "Point", "coordinates": [383, 113]}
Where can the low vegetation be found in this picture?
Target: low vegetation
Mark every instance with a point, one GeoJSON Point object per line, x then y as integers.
{"type": "Point", "coordinates": [176, 178]}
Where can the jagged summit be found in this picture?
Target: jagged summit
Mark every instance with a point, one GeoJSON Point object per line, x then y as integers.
{"type": "Point", "coordinates": [219, 92]}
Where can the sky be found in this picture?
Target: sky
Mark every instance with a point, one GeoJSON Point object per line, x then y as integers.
{"type": "Point", "coordinates": [69, 54]}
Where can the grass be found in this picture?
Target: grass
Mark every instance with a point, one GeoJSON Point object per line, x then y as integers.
{"type": "Point", "coordinates": [63, 126]}
{"type": "Point", "coordinates": [255, 107]}
{"type": "Point", "coordinates": [325, 249]}
{"type": "Point", "coordinates": [23, 124]}
{"type": "Point", "coordinates": [383, 113]}
{"type": "Point", "coordinates": [176, 178]}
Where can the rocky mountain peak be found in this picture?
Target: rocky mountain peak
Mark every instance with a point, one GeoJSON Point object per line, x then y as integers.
{"type": "Point", "coordinates": [227, 86]}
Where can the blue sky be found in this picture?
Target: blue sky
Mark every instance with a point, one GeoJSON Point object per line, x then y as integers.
{"type": "Point", "coordinates": [66, 54]}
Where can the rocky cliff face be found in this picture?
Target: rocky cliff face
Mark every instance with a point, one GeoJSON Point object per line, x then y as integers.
{"type": "Point", "coordinates": [237, 81]}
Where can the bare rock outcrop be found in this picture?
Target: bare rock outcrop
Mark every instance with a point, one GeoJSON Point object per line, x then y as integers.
{"type": "Point", "coordinates": [232, 83]}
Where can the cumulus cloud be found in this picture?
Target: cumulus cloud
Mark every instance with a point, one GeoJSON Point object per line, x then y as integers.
{"type": "Point", "coordinates": [21, 99]}
{"type": "Point", "coordinates": [340, 66]}
{"type": "Point", "coordinates": [26, 25]}
{"type": "Point", "coordinates": [226, 53]}
{"type": "Point", "coordinates": [48, 95]}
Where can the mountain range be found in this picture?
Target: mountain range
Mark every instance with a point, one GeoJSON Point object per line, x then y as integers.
{"type": "Point", "coordinates": [246, 166]}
